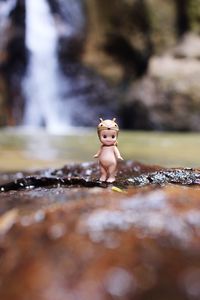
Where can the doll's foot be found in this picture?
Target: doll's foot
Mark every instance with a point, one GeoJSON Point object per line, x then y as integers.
{"type": "Point", "coordinates": [111, 179]}
{"type": "Point", "coordinates": [102, 178]}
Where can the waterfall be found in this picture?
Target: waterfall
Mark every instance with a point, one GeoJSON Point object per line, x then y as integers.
{"type": "Point", "coordinates": [60, 96]}
{"type": "Point", "coordinates": [43, 82]}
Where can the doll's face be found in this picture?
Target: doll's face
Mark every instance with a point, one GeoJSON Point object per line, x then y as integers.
{"type": "Point", "coordinates": [108, 137]}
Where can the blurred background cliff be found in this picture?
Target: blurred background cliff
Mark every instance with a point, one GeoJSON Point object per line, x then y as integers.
{"type": "Point", "coordinates": [67, 62]}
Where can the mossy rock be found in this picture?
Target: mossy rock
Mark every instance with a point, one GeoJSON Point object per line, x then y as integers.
{"type": "Point", "coordinates": [162, 17]}
{"type": "Point", "coordinates": [194, 15]}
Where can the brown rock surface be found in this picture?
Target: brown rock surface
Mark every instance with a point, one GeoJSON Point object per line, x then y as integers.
{"type": "Point", "coordinates": [138, 239]}
{"type": "Point", "coordinates": [167, 97]}
{"type": "Point", "coordinates": [13, 57]}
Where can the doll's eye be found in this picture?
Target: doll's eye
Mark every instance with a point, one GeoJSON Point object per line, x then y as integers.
{"type": "Point", "coordinates": [105, 136]}
{"type": "Point", "coordinates": [113, 136]}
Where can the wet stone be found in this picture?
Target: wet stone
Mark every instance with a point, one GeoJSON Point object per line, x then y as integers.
{"type": "Point", "coordinates": [87, 174]}
{"type": "Point", "coordinates": [69, 236]}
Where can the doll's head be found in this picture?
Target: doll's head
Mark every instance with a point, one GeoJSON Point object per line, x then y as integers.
{"type": "Point", "coordinates": [108, 132]}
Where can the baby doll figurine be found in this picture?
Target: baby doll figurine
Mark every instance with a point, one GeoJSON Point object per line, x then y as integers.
{"type": "Point", "coordinates": [108, 154]}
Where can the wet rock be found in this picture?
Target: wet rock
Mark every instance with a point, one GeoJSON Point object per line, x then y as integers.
{"type": "Point", "coordinates": [87, 175]}
{"type": "Point", "coordinates": [93, 243]}
{"type": "Point", "coordinates": [177, 176]}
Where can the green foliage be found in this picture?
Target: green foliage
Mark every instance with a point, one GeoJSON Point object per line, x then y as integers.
{"type": "Point", "coordinates": [194, 15]}
{"type": "Point", "coordinates": [162, 16]}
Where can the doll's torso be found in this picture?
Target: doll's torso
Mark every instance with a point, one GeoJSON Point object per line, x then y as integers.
{"type": "Point", "coordinates": [107, 156]}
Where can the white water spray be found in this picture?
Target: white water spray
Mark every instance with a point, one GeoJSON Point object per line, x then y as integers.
{"type": "Point", "coordinates": [43, 82]}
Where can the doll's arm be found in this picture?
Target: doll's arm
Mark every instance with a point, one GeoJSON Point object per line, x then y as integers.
{"type": "Point", "coordinates": [117, 153]}
{"type": "Point", "coordinates": [97, 154]}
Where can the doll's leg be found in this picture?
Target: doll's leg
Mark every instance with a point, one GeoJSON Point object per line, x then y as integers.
{"type": "Point", "coordinates": [112, 173]}
{"type": "Point", "coordinates": [103, 174]}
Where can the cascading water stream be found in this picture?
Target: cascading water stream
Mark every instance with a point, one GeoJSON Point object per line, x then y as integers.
{"type": "Point", "coordinates": [43, 81]}
{"type": "Point", "coordinates": [60, 96]}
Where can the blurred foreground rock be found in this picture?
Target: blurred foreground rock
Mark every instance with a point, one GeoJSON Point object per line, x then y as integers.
{"type": "Point", "coordinates": [128, 241]}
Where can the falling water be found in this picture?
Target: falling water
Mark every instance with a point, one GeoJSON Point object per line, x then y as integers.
{"type": "Point", "coordinates": [43, 82]}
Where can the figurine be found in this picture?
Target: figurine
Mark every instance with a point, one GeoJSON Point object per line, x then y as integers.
{"type": "Point", "coordinates": [108, 154]}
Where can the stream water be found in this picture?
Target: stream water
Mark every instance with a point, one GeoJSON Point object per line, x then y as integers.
{"type": "Point", "coordinates": [21, 149]}
{"type": "Point", "coordinates": [43, 83]}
